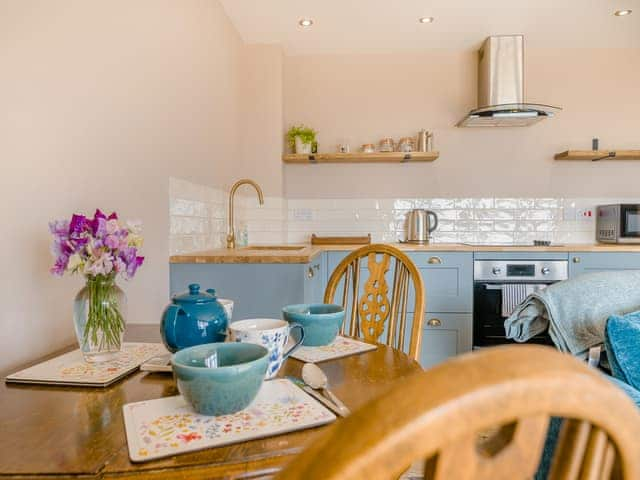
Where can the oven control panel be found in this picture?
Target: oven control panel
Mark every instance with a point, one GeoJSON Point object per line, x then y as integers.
{"type": "Point", "coordinates": [520, 270]}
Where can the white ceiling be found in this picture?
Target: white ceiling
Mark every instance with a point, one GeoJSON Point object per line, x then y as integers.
{"type": "Point", "coordinates": [346, 26]}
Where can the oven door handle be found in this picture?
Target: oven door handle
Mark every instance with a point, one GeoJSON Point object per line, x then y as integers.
{"type": "Point", "coordinates": [491, 286]}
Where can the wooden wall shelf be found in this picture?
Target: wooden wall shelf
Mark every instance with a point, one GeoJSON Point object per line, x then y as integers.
{"type": "Point", "coordinates": [595, 155]}
{"type": "Point", "coordinates": [376, 157]}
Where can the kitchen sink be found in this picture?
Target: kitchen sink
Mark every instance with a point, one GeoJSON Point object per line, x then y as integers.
{"type": "Point", "coordinates": [275, 247]}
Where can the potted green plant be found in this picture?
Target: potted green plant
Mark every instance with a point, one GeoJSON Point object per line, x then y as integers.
{"type": "Point", "coordinates": [300, 138]}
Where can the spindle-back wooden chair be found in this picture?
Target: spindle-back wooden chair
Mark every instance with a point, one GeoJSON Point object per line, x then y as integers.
{"type": "Point", "coordinates": [438, 416]}
{"type": "Point", "coordinates": [371, 310]}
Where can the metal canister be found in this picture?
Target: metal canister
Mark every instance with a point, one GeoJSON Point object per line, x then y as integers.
{"type": "Point", "coordinates": [425, 141]}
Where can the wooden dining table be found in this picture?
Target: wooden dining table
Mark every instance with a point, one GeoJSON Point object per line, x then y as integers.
{"type": "Point", "coordinates": [78, 432]}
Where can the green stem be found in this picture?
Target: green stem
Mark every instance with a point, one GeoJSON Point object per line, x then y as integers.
{"type": "Point", "coordinates": [104, 321]}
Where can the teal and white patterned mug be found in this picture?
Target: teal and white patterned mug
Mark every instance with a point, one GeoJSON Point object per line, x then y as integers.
{"type": "Point", "coordinates": [272, 334]}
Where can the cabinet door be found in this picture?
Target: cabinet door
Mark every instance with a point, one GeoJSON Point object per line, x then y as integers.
{"type": "Point", "coordinates": [447, 276]}
{"type": "Point", "coordinates": [448, 280]}
{"type": "Point", "coordinates": [585, 262]}
{"type": "Point", "coordinates": [314, 280]}
{"type": "Point", "coordinates": [445, 335]}
{"type": "Point", "coordinates": [258, 290]}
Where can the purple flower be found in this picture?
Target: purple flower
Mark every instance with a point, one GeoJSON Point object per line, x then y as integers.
{"type": "Point", "coordinates": [112, 241]}
{"type": "Point", "coordinates": [99, 227]}
{"type": "Point", "coordinates": [133, 267]}
{"type": "Point", "coordinates": [60, 266]}
{"type": "Point", "coordinates": [131, 259]}
{"type": "Point", "coordinates": [78, 225]}
{"type": "Point", "coordinates": [99, 222]}
{"type": "Point", "coordinates": [59, 228]}
{"type": "Point", "coordinates": [119, 266]}
{"type": "Point", "coordinates": [94, 246]}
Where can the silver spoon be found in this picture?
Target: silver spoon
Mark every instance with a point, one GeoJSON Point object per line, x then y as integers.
{"type": "Point", "coordinates": [316, 379]}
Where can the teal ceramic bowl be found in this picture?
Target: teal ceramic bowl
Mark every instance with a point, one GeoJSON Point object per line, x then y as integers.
{"type": "Point", "coordinates": [321, 322]}
{"type": "Point", "coordinates": [220, 378]}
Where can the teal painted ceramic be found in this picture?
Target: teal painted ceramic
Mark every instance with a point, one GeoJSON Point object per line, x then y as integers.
{"type": "Point", "coordinates": [321, 322]}
{"type": "Point", "coordinates": [193, 318]}
{"type": "Point", "coordinates": [220, 378]}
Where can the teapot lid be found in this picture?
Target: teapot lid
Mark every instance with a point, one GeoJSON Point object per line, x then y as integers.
{"type": "Point", "coordinates": [194, 295]}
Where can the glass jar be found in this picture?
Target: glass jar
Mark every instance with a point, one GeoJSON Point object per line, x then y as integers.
{"type": "Point", "coordinates": [407, 144]}
{"type": "Point", "coordinates": [386, 145]}
{"type": "Point", "coordinates": [99, 318]}
{"type": "Point", "coordinates": [368, 148]}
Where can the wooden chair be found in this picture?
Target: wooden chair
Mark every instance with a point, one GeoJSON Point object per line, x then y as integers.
{"type": "Point", "coordinates": [368, 313]}
{"type": "Point", "coordinates": [436, 416]}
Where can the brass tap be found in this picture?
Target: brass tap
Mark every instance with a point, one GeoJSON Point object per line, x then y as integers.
{"type": "Point", "coordinates": [231, 235]}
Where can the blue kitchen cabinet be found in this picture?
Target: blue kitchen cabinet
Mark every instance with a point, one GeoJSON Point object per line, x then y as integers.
{"type": "Point", "coordinates": [447, 276]}
{"type": "Point", "coordinates": [444, 335]}
{"type": "Point", "coordinates": [448, 325]}
{"type": "Point", "coordinates": [315, 274]}
{"type": "Point", "coordinates": [585, 262]}
{"type": "Point", "coordinates": [258, 290]}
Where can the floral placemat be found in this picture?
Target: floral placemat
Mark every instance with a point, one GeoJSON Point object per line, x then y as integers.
{"type": "Point", "coordinates": [169, 426]}
{"type": "Point", "coordinates": [71, 369]}
{"type": "Point", "coordinates": [340, 347]}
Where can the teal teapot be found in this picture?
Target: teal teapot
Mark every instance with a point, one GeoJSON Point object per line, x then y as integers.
{"type": "Point", "coordinates": [193, 318]}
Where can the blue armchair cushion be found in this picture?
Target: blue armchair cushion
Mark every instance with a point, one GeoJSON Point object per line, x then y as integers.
{"type": "Point", "coordinates": [626, 388]}
{"type": "Point", "coordinates": [622, 341]}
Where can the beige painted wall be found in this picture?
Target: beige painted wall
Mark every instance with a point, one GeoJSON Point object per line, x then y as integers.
{"type": "Point", "coordinates": [103, 101]}
{"type": "Point", "coordinates": [366, 97]}
{"type": "Point", "coordinates": [260, 132]}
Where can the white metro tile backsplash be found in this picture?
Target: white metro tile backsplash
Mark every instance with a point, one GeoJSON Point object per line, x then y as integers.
{"type": "Point", "coordinates": [198, 218]}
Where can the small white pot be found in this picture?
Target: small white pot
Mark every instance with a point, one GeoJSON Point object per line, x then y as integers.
{"type": "Point", "coordinates": [302, 147]}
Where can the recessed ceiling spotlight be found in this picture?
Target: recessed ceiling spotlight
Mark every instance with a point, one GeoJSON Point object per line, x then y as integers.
{"type": "Point", "coordinates": [426, 19]}
{"type": "Point", "coordinates": [622, 13]}
{"type": "Point", "coordinates": [305, 22]}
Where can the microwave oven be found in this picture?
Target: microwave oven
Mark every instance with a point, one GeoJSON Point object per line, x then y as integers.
{"type": "Point", "coordinates": [618, 223]}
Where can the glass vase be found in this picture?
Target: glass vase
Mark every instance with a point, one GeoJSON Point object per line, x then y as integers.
{"type": "Point", "coordinates": [99, 317]}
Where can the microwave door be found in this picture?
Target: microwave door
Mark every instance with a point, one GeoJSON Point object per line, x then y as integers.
{"type": "Point", "coordinates": [630, 219]}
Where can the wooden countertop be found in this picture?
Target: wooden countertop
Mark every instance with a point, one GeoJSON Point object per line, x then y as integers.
{"type": "Point", "coordinates": [306, 253]}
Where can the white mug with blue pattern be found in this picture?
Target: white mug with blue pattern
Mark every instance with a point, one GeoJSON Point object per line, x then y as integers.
{"type": "Point", "coordinates": [272, 334]}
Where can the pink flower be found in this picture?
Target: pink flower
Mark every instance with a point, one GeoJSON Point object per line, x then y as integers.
{"type": "Point", "coordinates": [103, 265]}
{"type": "Point", "coordinates": [120, 266]}
{"type": "Point", "coordinates": [112, 226]}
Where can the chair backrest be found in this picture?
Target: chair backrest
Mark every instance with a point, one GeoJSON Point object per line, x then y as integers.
{"type": "Point", "coordinates": [437, 417]}
{"type": "Point", "coordinates": [378, 305]}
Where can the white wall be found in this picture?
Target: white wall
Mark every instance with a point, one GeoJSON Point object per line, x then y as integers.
{"type": "Point", "coordinates": [101, 102]}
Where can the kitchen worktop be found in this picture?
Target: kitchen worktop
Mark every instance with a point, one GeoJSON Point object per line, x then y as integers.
{"type": "Point", "coordinates": [306, 253]}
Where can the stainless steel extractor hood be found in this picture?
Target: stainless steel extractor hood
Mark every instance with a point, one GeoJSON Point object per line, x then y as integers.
{"type": "Point", "coordinates": [501, 87]}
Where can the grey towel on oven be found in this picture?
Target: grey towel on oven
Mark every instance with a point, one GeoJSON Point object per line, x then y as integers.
{"type": "Point", "coordinates": [575, 311]}
{"type": "Point", "coordinates": [513, 294]}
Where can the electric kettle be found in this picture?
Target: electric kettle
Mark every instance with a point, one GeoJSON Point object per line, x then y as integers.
{"type": "Point", "coordinates": [419, 224]}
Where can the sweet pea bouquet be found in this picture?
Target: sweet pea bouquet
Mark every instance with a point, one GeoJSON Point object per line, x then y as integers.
{"type": "Point", "coordinates": [97, 246]}
{"type": "Point", "coordinates": [100, 248]}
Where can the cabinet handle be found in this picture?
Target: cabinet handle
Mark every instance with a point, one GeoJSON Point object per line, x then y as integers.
{"type": "Point", "coordinates": [576, 259]}
{"type": "Point", "coordinates": [435, 260]}
{"type": "Point", "coordinates": [434, 322]}
{"type": "Point", "coordinates": [317, 266]}
{"type": "Point", "coordinates": [310, 272]}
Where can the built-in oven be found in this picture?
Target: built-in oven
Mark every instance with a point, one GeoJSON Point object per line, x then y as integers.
{"type": "Point", "coordinates": [498, 285]}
